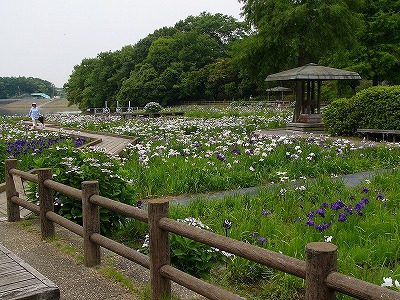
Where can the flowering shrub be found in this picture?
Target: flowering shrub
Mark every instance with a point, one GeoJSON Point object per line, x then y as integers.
{"type": "Point", "coordinates": [71, 166]}
{"type": "Point", "coordinates": [152, 107]}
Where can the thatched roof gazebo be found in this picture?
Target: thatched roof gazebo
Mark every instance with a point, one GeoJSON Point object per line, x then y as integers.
{"type": "Point", "coordinates": [308, 80]}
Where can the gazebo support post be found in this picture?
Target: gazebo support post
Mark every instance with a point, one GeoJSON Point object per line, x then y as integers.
{"type": "Point", "coordinates": [308, 111]}
{"type": "Point", "coordinates": [313, 104]}
{"type": "Point", "coordinates": [319, 97]}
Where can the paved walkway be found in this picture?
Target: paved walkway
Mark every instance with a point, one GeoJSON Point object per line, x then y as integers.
{"type": "Point", "coordinates": [110, 143]}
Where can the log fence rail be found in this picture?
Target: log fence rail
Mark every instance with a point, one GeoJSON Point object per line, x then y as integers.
{"type": "Point", "coordinates": [322, 280]}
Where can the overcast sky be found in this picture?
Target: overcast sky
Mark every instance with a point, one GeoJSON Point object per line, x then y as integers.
{"type": "Point", "coordinates": [47, 38]}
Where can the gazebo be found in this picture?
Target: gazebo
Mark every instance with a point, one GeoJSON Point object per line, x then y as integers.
{"type": "Point", "coordinates": [278, 89]}
{"type": "Point", "coordinates": [308, 81]}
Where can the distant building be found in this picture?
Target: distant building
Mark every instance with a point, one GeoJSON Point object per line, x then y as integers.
{"type": "Point", "coordinates": [40, 96]}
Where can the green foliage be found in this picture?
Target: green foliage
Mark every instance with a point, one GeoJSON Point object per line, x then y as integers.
{"type": "Point", "coordinates": [366, 239]}
{"type": "Point", "coordinates": [338, 117]}
{"type": "Point", "coordinates": [168, 66]}
{"type": "Point", "coordinates": [190, 256]}
{"type": "Point", "coordinates": [72, 166]}
{"type": "Point", "coordinates": [16, 87]}
{"type": "Point", "coordinates": [299, 29]}
{"type": "Point", "coordinates": [375, 107]}
{"type": "Point", "coordinates": [378, 54]}
{"type": "Point", "coordinates": [379, 107]}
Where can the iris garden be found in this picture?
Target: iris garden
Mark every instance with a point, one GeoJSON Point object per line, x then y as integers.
{"type": "Point", "coordinates": [300, 197]}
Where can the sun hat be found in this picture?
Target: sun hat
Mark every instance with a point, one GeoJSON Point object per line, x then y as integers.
{"type": "Point", "coordinates": [34, 103]}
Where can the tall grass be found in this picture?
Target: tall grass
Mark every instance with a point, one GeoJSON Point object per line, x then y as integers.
{"type": "Point", "coordinates": [275, 218]}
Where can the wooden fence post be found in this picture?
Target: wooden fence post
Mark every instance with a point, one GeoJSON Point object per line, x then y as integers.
{"type": "Point", "coordinates": [12, 208]}
{"type": "Point", "coordinates": [321, 259]}
{"type": "Point", "coordinates": [46, 203]}
{"type": "Point", "coordinates": [159, 249]}
{"type": "Point", "coordinates": [91, 223]}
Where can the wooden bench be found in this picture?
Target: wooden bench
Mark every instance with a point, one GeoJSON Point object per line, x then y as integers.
{"type": "Point", "coordinates": [386, 133]}
{"type": "Point", "coordinates": [18, 280]}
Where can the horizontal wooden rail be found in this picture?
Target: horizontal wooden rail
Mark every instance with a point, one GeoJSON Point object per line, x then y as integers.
{"type": "Point", "coordinates": [26, 204]}
{"type": "Point", "coordinates": [358, 288]}
{"type": "Point", "coordinates": [259, 255]}
{"type": "Point", "coordinates": [64, 189]}
{"type": "Point", "coordinates": [121, 208]}
{"type": "Point", "coordinates": [122, 250]}
{"type": "Point", "coordinates": [25, 175]}
{"type": "Point", "coordinates": [75, 228]}
{"type": "Point", "coordinates": [197, 285]}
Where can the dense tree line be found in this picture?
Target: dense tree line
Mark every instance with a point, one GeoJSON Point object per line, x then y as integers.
{"type": "Point", "coordinates": [16, 87]}
{"type": "Point", "coordinates": [217, 57]}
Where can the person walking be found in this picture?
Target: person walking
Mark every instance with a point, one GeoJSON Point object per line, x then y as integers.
{"type": "Point", "coordinates": [34, 113]}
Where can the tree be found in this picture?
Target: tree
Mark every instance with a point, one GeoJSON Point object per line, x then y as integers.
{"type": "Point", "coordinates": [166, 66]}
{"type": "Point", "coordinates": [16, 87]}
{"type": "Point", "coordinates": [378, 55]}
{"type": "Point", "coordinates": [221, 80]}
{"type": "Point", "coordinates": [298, 32]}
{"type": "Point", "coordinates": [224, 29]}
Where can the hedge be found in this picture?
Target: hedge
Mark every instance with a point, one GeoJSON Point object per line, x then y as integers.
{"type": "Point", "coordinates": [376, 107]}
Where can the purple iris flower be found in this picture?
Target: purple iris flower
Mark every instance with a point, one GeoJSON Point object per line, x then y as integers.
{"type": "Point", "coordinates": [337, 205]}
{"type": "Point", "coordinates": [236, 151]}
{"type": "Point", "coordinates": [349, 210]}
{"type": "Point", "coordinates": [221, 157]}
{"type": "Point", "coordinates": [262, 240]}
{"type": "Point", "coordinates": [342, 217]}
{"type": "Point", "coordinates": [359, 207]}
{"type": "Point", "coordinates": [364, 190]}
{"type": "Point", "coordinates": [322, 227]}
{"type": "Point", "coordinates": [365, 200]}
{"type": "Point", "coordinates": [310, 222]}
{"type": "Point", "coordinates": [320, 212]}
{"type": "Point", "coordinates": [380, 197]}
{"type": "Point", "coordinates": [266, 212]}
{"type": "Point", "coordinates": [310, 215]}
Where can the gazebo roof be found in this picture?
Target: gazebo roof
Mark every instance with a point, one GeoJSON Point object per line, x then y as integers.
{"type": "Point", "coordinates": [313, 72]}
{"type": "Point", "coordinates": [279, 89]}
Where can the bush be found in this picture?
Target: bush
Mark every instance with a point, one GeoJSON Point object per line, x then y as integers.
{"type": "Point", "coordinates": [153, 107]}
{"type": "Point", "coordinates": [379, 107]}
{"type": "Point", "coordinates": [376, 107]}
{"type": "Point", "coordinates": [339, 117]}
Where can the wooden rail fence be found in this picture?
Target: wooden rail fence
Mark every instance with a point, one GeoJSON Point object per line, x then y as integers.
{"type": "Point", "coordinates": [322, 280]}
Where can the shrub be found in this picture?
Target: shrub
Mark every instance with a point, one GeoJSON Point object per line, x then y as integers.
{"type": "Point", "coordinates": [376, 107]}
{"type": "Point", "coordinates": [153, 107]}
{"type": "Point", "coordinates": [71, 166]}
{"type": "Point", "coordinates": [339, 117]}
{"type": "Point", "coordinates": [379, 107]}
